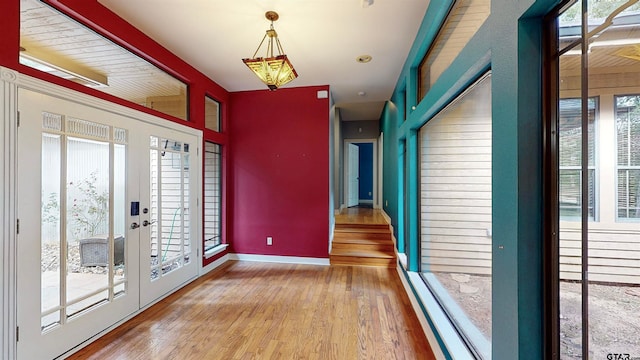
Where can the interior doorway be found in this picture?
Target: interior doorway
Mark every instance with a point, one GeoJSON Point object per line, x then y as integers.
{"type": "Point", "coordinates": [361, 173]}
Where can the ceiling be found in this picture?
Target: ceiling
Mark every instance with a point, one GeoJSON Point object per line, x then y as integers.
{"type": "Point", "coordinates": [322, 38]}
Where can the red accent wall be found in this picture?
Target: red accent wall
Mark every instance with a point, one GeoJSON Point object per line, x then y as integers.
{"type": "Point", "coordinates": [279, 172]}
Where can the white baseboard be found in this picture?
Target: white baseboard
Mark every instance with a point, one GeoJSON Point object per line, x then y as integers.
{"type": "Point", "coordinates": [214, 264]}
{"type": "Point", "coordinates": [385, 215]}
{"type": "Point", "coordinates": [280, 259]}
{"type": "Point", "coordinates": [365, 202]}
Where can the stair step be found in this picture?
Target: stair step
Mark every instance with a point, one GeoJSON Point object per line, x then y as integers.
{"type": "Point", "coordinates": [362, 253]}
{"type": "Point", "coordinates": [362, 238]}
{"type": "Point", "coordinates": [387, 248]}
{"type": "Point", "coordinates": [340, 226]}
{"type": "Point", "coordinates": [361, 231]}
{"type": "Point", "coordinates": [362, 245]}
{"type": "Point", "coordinates": [362, 260]}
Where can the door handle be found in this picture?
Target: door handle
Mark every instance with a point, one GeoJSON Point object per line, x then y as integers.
{"type": "Point", "coordinates": [134, 225]}
{"type": "Point", "coordinates": [147, 223]}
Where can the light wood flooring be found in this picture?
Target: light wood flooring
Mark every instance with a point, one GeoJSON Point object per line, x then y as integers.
{"type": "Point", "coordinates": [248, 310]}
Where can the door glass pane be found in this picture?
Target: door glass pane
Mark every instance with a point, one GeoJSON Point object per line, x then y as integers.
{"type": "Point", "coordinates": [171, 210]}
{"type": "Point", "coordinates": [610, 300]}
{"type": "Point", "coordinates": [170, 248]}
{"type": "Point", "coordinates": [119, 216]}
{"type": "Point", "coordinates": [88, 236]}
{"type": "Point", "coordinates": [614, 254]}
{"type": "Point", "coordinates": [155, 220]}
{"type": "Point", "coordinates": [51, 229]}
{"type": "Point", "coordinates": [186, 220]}
{"type": "Point", "coordinates": [570, 195]}
{"type": "Point", "coordinates": [82, 236]}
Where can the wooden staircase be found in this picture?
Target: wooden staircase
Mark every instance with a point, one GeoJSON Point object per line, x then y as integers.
{"type": "Point", "coordinates": [362, 245]}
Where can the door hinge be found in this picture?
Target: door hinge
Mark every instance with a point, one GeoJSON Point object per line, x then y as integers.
{"type": "Point", "coordinates": [17, 226]}
{"type": "Point", "coordinates": [17, 333]}
{"type": "Point", "coordinates": [18, 119]}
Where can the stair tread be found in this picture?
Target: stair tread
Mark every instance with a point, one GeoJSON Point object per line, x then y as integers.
{"type": "Point", "coordinates": [360, 240]}
{"type": "Point", "coordinates": [346, 223]}
{"type": "Point", "coordinates": [361, 230]}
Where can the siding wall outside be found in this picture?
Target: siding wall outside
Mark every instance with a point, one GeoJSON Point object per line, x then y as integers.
{"type": "Point", "coordinates": [455, 168]}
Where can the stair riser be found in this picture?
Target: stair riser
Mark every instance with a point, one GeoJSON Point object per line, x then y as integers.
{"type": "Point", "coordinates": [387, 248]}
{"type": "Point", "coordinates": [357, 261]}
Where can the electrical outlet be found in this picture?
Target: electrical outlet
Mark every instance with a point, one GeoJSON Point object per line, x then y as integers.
{"type": "Point", "coordinates": [269, 240]}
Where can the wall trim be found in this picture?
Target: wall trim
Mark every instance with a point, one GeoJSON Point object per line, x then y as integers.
{"type": "Point", "coordinates": [280, 259]}
{"type": "Point", "coordinates": [214, 264]}
{"type": "Point", "coordinates": [8, 273]}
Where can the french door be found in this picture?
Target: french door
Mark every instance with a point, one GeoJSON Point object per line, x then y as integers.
{"type": "Point", "coordinates": [106, 224]}
{"type": "Point", "coordinates": [592, 180]}
{"type": "Point", "coordinates": [168, 198]}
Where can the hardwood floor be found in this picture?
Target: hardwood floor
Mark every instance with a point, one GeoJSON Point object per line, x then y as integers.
{"type": "Point", "coordinates": [247, 310]}
{"type": "Point", "coordinates": [356, 215]}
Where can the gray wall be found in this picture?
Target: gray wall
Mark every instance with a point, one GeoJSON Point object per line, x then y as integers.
{"type": "Point", "coordinates": [350, 130]}
{"type": "Point", "coordinates": [369, 129]}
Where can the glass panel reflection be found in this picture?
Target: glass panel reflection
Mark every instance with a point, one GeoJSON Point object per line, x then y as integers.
{"type": "Point", "coordinates": [88, 237]}
{"type": "Point", "coordinates": [456, 210]}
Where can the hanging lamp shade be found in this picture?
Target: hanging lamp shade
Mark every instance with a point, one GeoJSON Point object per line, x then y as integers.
{"type": "Point", "coordinates": [274, 70]}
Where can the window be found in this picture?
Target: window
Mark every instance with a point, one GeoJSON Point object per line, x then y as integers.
{"type": "Point", "coordinates": [570, 157]}
{"type": "Point", "coordinates": [212, 195]}
{"type": "Point", "coordinates": [88, 58]}
{"type": "Point", "coordinates": [211, 114]}
{"type": "Point", "coordinates": [628, 149]}
{"type": "Point", "coordinates": [463, 21]}
{"type": "Point", "coordinates": [455, 212]}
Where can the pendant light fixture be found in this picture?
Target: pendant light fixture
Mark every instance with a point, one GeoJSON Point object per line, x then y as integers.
{"type": "Point", "coordinates": [273, 70]}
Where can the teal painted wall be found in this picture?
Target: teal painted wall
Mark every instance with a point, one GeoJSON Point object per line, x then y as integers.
{"type": "Point", "coordinates": [509, 44]}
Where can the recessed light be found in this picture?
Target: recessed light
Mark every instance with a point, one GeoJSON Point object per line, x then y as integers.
{"type": "Point", "coordinates": [362, 93]}
{"type": "Point", "coordinates": [363, 59]}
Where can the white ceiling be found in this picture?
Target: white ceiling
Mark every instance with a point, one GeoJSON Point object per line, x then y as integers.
{"type": "Point", "coordinates": [322, 38]}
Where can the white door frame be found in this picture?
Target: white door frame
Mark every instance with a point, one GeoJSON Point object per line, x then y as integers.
{"type": "Point", "coordinates": [352, 176]}
{"type": "Point", "coordinates": [376, 198]}
{"type": "Point", "coordinates": [10, 81]}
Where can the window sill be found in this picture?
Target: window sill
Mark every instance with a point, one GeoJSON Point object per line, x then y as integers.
{"type": "Point", "coordinates": [215, 250]}
{"type": "Point", "coordinates": [439, 322]}
{"type": "Point", "coordinates": [403, 260]}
